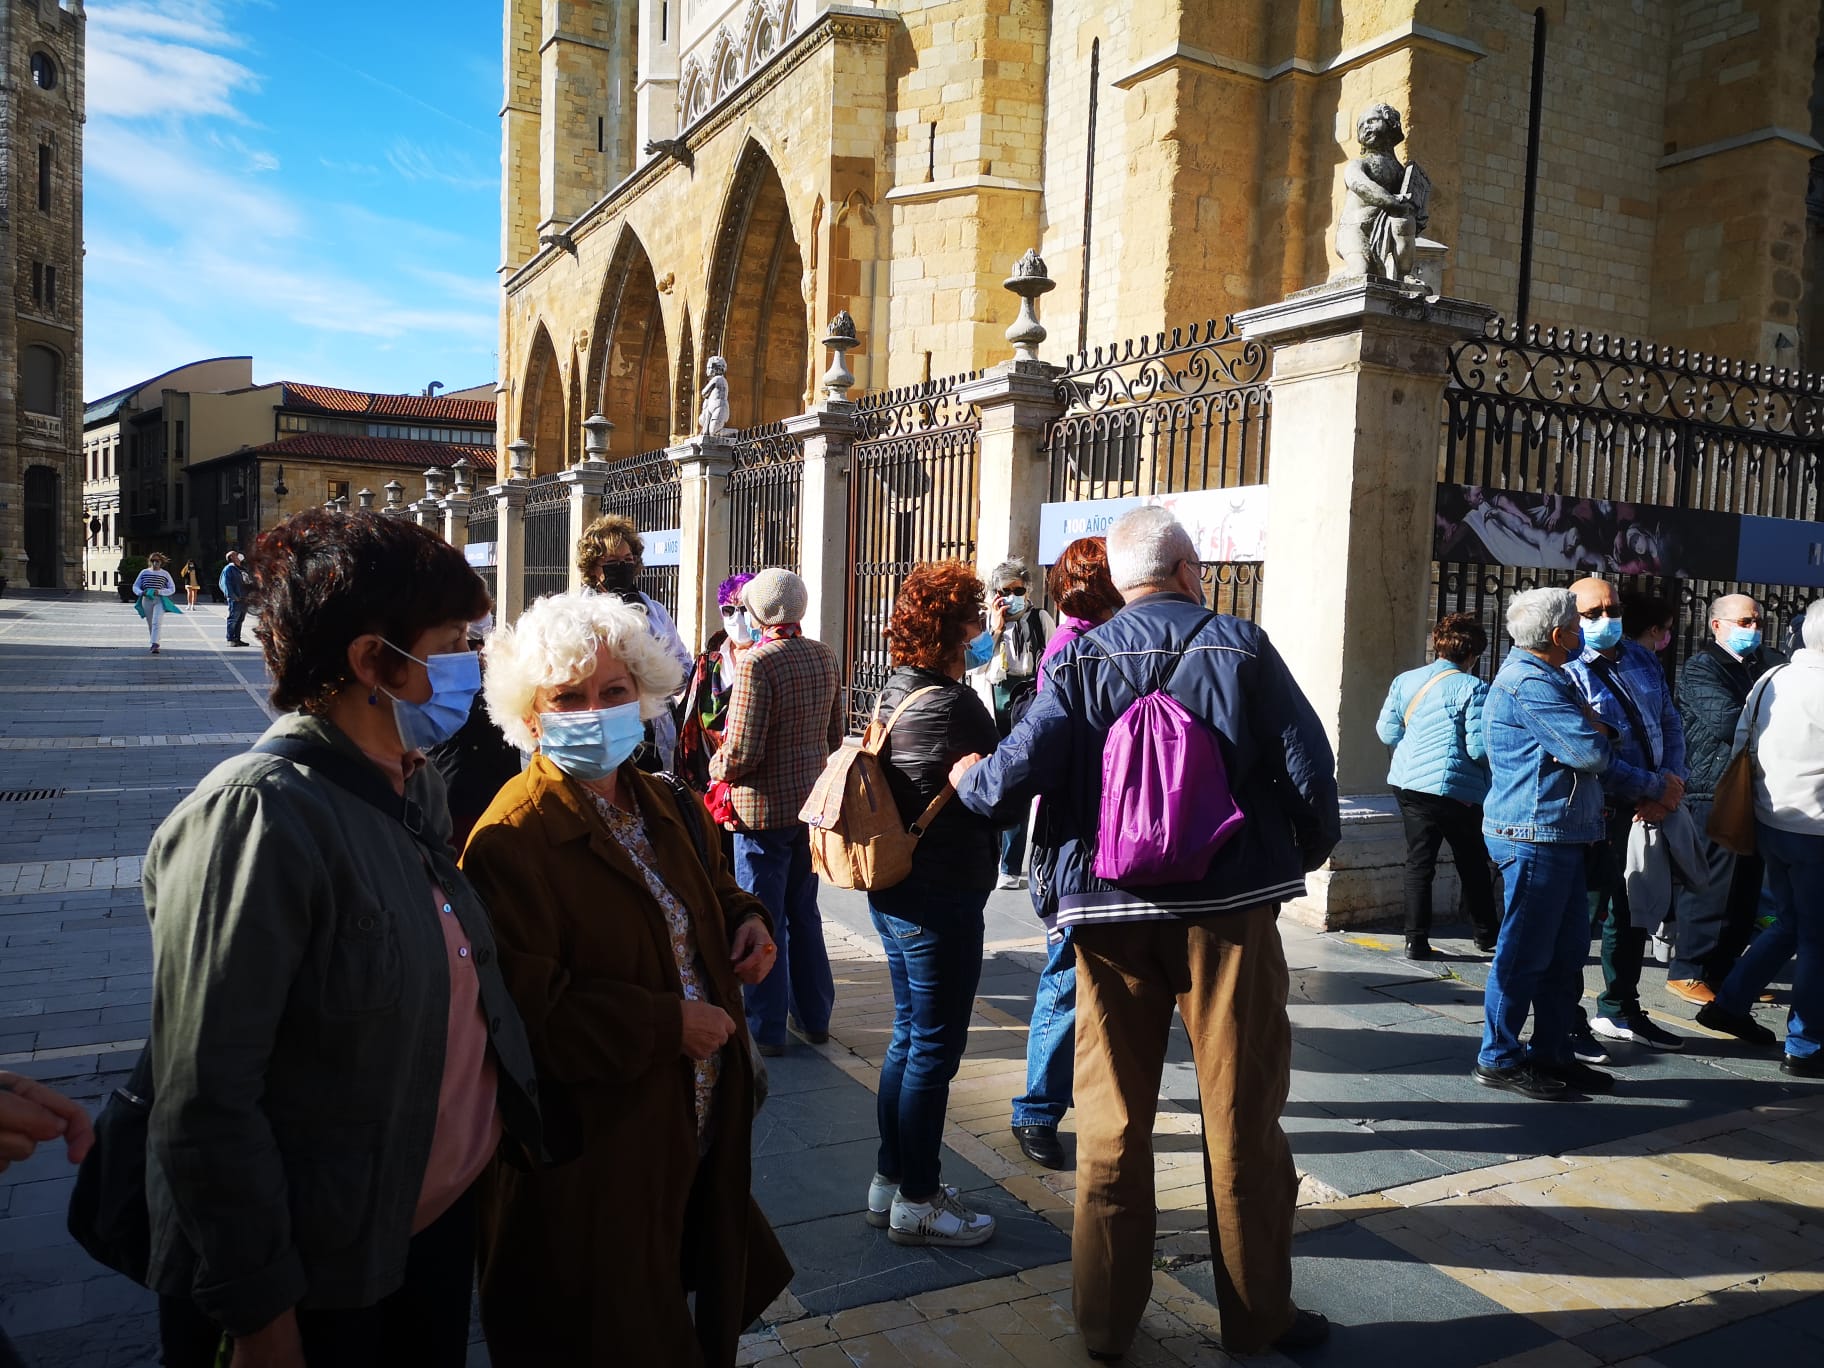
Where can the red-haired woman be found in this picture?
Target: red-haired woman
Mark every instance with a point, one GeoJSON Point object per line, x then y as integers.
{"type": "Point", "coordinates": [931, 925]}
{"type": "Point", "coordinates": [1086, 598]}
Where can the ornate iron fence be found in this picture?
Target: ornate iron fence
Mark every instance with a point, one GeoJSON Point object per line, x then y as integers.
{"type": "Point", "coordinates": [763, 492]}
{"type": "Point", "coordinates": [546, 519]}
{"type": "Point", "coordinates": [645, 488]}
{"type": "Point", "coordinates": [484, 526]}
{"type": "Point", "coordinates": [1164, 414]}
{"type": "Point", "coordinates": [914, 495]}
{"type": "Point", "coordinates": [1586, 418]}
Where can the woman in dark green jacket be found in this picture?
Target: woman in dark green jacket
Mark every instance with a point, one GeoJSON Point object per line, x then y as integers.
{"type": "Point", "coordinates": [335, 1055]}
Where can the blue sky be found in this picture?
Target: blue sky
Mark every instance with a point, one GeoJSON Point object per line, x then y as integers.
{"type": "Point", "coordinates": [313, 182]}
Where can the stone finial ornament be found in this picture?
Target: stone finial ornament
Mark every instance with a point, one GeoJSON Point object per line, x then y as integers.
{"type": "Point", "coordinates": [395, 494]}
{"type": "Point", "coordinates": [596, 429]}
{"type": "Point", "coordinates": [840, 338]}
{"type": "Point", "coordinates": [461, 470]}
{"type": "Point", "coordinates": [712, 418]}
{"type": "Point", "coordinates": [434, 482]}
{"type": "Point", "coordinates": [1029, 280]}
{"type": "Point", "coordinates": [366, 496]}
{"type": "Point", "coordinates": [519, 459]}
{"type": "Point", "coordinates": [1385, 207]}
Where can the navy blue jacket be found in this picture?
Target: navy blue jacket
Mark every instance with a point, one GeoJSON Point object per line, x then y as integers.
{"type": "Point", "coordinates": [1280, 765]}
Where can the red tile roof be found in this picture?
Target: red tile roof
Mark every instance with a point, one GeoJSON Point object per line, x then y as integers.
{"type": "Point", "coordinates": [378, 451]}
{"type": "Point", "coordinates": [325, 399]}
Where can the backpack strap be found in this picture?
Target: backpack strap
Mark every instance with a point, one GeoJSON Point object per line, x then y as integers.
{"type": "Point", "coordinates": [1424, 689]}
{"type": "Point", "coordinates": [932, 808]}
{"type": "Point", "coordinates": [686, 800]}
{"type": "Point", "coordinates": [355, 776]}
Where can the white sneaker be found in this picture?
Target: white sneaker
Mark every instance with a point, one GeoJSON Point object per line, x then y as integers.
{"type": "Point", "coordinates": [1012, 881]}
{"type": "Point", "coordinates": [1639, 1029]}
{"type": "Point", "coordinates": [881, 1192]}
{"type": "Point", "coordinates": [944, 1220]}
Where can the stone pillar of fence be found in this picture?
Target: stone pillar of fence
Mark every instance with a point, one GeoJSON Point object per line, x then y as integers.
{"type": "Point", "coordinates": [455, 513]}
{"type": "Point", "coordinates": [704, 465]}
{"type": "Point", "coordinates": [828, 433]}
{"type": "Point", "coordinates": [586, 483]}
{"type": "Point", "coordinates": [1358, 382]}
{"type": "Point", "coordinates": [509, 549]}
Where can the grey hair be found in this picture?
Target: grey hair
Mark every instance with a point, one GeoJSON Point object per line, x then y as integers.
{"type": "Point", "coordinates": [1716, 604]}
{"type": "Point", "coordinates": [1145, 547]}
{"type": "Point", "coordinates": [1532, 617]}
{"type": "Point", "coordinates": [1811, 631]}
{"type": "Point", "coordinates": [1014, 567]}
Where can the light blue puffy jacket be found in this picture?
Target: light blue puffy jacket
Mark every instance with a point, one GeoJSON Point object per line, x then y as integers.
{"type": "Point", "coordinates": [1443, 751]}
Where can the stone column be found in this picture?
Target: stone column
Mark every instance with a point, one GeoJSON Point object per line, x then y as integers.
{"type": "Point", "coordinates": [828, 432]}
{"type": "Point", "coordinates": [586, 483]}
{"type": "Point", "coordinates": [704, 465]}
{"type": "Point", "coordinates": [455, 510]}
{"type": "Point", "coordinates": [1359, 370]}
{"type": "Point", "coordinates": [510, 550]}
{"type": "Point", "coordinates": [1017, 400]}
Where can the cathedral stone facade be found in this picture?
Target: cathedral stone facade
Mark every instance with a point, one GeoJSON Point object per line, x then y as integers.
{"type": "Point", "coordinates": [41, 117]}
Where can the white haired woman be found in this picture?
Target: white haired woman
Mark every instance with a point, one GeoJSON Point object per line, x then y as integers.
{"type": "Point", "coordinates": [624, 940]}
{"type": "Point", "coordinates": [1544, 808]}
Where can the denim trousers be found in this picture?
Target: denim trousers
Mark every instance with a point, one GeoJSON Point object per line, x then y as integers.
{"type": "Point", "coordinates": [775, 866]}
{"type": "Point", "coordinates": [1795, 866]}
{"type": "Point", "coordinates": [1545, 937]}
{"type": "Point", "coordinates": [1051, 1041]}
{"type": "Point", "coordinates": [237, 614]}
{"type": "Point", "coordinates": [933, 939]}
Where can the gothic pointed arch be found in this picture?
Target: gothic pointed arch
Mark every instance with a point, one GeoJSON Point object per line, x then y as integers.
{"type": "Point", "coordinates": [756, 317]}
{"type": "Point", "coordinates": [541, 405]}
{"type": "Point", "coordinates": [684, 418]}
{"type": "Point", "coordinates": [630, 365]}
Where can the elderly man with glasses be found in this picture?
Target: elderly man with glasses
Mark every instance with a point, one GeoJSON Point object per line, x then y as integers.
{"type": "Point", "coordinates": [1626, 686]}
{"type": "Point", "coordinates": [1713, 686]}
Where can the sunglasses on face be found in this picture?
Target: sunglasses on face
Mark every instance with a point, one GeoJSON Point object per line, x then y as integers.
{"type": "Point", "coordinates": [1591, 614]}
{"type": "Point", "coordinates": [1012, 589]}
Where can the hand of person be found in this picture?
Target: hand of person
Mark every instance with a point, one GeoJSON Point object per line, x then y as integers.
{"type": "Point", "coordinates": [961, 768]}
{"type": "Point", "coordinates": [1649, 811]}
{"type": "Point", "coordinates": [276, 1346]}
{"type": "Point", "coordinates": [706, 1028]}
{"type": "Point", "coordinates": [752, 951]}
{"type": "Point", "coordinates": [32, 1114]}
{"type": "Point", "coordinates": [997, 615]}
{"type": "Point", "coordinates": [1674, 791]}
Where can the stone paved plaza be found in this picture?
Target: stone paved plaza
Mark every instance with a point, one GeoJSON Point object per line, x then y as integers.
{"type": "Point", "coordinates": [1678, 1221]}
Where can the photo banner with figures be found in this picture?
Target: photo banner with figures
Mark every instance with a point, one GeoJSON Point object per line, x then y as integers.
{"type": "Point", "coordinates": [1227, 524]}
{"type": "Point", "coordinates": [1489, 526]}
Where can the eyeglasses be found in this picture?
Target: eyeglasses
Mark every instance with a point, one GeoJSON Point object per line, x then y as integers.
{"type": "Point", "coordinates": [1591, 614]}
{"type": "Point", "coordinates": [1010, 590]}
{"type": "Point", "coordinates": [730, 609]}
{"type": "Point", "coordinates": [1749, 621]}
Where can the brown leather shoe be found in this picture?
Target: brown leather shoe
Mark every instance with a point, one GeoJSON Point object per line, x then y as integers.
{"type": "Point", "coordinates": [1691, 990]}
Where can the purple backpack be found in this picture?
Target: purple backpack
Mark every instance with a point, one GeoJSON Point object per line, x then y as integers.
{"type": "Point", "coordinates": [1166, 805]}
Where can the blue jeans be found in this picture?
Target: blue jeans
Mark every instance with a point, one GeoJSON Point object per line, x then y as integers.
{"type": "Point", "coordinates": [1545, 938]}
{"type": "Point", "coordinates": [775, 866]}
{"type": "Point", "coordinates": [1051, 1042]}
{"type": "Point", "coordinates": [933, 940]}
{"type": "Point", "coordinates": [1795, 866]}
{"type": "Point", "coordinates": [237, 614]}
{"type": "Point", "coordinates": [1013, 845]}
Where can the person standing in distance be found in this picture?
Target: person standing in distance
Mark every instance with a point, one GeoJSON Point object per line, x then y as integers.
{"type": "Point", "coordinates": [234, 589]}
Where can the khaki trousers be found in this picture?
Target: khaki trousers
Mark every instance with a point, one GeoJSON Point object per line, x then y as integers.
{"type": "Point", "coordinates": [1227, 977]}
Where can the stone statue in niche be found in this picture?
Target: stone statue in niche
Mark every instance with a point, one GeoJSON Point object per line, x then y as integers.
{"type": "Point", "coordinates": [1385, 208]}
{"type": "Point", "coordinates": [712, 419]}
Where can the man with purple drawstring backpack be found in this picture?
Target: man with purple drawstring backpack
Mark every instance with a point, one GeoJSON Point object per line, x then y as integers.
{"type": "Point", "coordinates": [1188, 788]}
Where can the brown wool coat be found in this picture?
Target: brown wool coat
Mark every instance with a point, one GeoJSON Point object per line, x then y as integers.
{"type": "Point", "coordinates": [588, 1262]}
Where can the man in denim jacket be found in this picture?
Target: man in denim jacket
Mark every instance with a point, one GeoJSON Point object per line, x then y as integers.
{"type": "Point", "coordinates": [1625, 685]}
{"type": "Point", "coordinates": [1544, 809]}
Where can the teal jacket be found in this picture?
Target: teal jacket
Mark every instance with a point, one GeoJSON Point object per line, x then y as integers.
{"type": "Point", "coordinates": [300, 1000]}
{"type": "Point", "coordinates": [1443, 751]}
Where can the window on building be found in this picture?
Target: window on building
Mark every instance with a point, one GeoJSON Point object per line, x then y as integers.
{"type": "Point", "coordinates": [44, 71]}
{"type": "Point", "coordinates": [339, 489]}
{"type": "Point", "coordinates": [44, 177]}
{"type": "Point", "coordinates": [50, 287]}
{"type": "Point", "coordinates": [40, 380]}
{"type": "Point", "coordinates": [180, 441]}
{"type": "Point", "coordinates": [37, 282]}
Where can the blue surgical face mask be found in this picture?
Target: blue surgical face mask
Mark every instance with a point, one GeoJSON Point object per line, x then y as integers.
{"type": "Point", "coordinates": [1602, 633]}
{"type": "Point", "coordinates": [1742, 640]}
{"type": "Point", "coordinates": [455, 680]}
{"type": "Point", "coordinates": [1016, 604]}
{"type": "Point", "coordinates": [980, 651]}
{"type": "Point", "coordinates": [591, 745]}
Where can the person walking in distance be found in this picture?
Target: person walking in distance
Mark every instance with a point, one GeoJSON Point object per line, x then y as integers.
{"type": "Point", "coordinates": [234, 589]}
{"type": "Point", "coordinates": [1714, 924]}
{"type": "Point", "coordinates": [1626, 686]}
{"type": "Point", "coordinates": [1543, 812]}
{"type": "Point", "coordinates": [1433, 720]}
{"type": "Point", "coordinates": [783, 721]}
{"type": "Point", "coordinates": [152, 590]}
{"type": "Point", "coordinates": [1206, 943]}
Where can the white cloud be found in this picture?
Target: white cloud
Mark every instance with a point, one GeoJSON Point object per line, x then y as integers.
{"type": "Point", "coordinates": [168, 179]}
{"type": "Point", "coordinates": [442, 165]}
{"type": "Point", "coordinates": [145, 62]}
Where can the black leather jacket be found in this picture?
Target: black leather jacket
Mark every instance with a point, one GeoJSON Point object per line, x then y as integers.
{"type": "Point", "coordinates": [1712, 687]}
{"type": "Point", "coordinates": [960, 850]}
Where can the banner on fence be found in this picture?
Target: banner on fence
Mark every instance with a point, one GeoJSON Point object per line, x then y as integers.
{"type": "Point", "coordinates": [664, 546]}
{"type": "Point", "coordinates": [482, 555]}
{"type": "Point", "coordinates": [1489, 526]}
{"type": "Point", "coordinates": [1227, 524]}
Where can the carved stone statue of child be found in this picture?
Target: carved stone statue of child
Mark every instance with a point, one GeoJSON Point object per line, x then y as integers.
{"type": "Point", "coordinates": [1385, 209]}
{"type": "Point", "coordinates": [713, 418]}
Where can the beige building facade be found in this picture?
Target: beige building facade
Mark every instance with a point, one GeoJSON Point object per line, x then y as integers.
{"type": "Point", "coordinates": [41, 118]}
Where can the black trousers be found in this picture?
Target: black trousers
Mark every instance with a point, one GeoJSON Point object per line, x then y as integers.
{"type": "Point", "coordinates": [1714, 925]}
{"type": "Point", "coordinates": [1431, 820]}
{"type": "Point", "coordinates": [426, 1322]}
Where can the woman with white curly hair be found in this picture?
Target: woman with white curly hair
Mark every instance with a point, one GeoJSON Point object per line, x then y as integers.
{"type": "Point", "coordinates": [625, 941]}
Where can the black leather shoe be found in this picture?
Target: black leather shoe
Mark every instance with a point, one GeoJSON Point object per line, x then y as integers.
{"type": "Point", "coordinates": [1578, 1077]}
{"type": "Point", "coordinates": [1521, 1078]}
{"type": "Point", "coordinates": [1812, 1066]}
{"type": "Point", "coordinates": [1040, 1144]}
{"type": "Point", "coordinates": [1487, 944]}
{"type": "Point", "coordinates": [1419, 948]}
{"type": "Point", "coordinates": [1308, 1329]}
